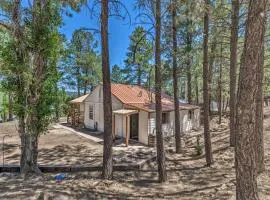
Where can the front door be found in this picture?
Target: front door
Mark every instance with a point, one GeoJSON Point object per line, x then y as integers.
{"type": "Point", "coordinates": [134, 126]}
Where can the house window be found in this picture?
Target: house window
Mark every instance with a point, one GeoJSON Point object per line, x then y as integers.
{"type": "Point", "coordinates": [91, 112]}
{"type": "Point", "coordinates": [190, 114]}
{"type": "Point", "coordinates": [165, 118]}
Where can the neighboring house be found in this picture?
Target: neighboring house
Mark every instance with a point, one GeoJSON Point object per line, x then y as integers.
{"type": "Point", "coordinates": [134, 112]}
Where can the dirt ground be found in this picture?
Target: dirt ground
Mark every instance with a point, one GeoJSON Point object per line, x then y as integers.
{"type": "Point", "coordinates": [63, 147]}
{"type": "Point", "coordinates": [188, 178]}
{"type": "Point", "coordinates": [58, 146]}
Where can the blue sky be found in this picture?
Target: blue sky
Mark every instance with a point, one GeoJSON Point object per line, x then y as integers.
{"type": "Point", "coordinates": [119, 30]}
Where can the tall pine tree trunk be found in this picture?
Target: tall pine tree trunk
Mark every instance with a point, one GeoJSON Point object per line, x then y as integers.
{"type": "Point", "coordinates": [259, 117]}
{"type": "Point", "coordinates": [78, 82]}
{"type": "Point", "coordinates": [139, 79]}
{"type": "Point", "coordinates": [206, 110]}
{"type": "Point", "coordinates": [233, 68]}
{"type": "Point", "coordinates": [210, 72]}
{"type": "Point", "coordinates": [189, 64]}
{"type": "Point", "coordinates": [159, 135]}
{"type": "Point", "coordinates": [107, 101]}
{"type": "Point", "coordinates": [220, 104]}
{"type": "Point", "coordinates": [247, 138]}
{"type": "Point", "coordinates": [197, 90]}
{"type": "Point", "coordinates": [86, 83]}
{"type": "Point", "coordinates": [178, 138]}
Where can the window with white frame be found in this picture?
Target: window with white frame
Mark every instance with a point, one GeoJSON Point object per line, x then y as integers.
{"type": "Point", "coordinates": [91, 112]}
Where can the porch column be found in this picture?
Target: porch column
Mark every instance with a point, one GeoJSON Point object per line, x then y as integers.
{"type": "Point", "coordinates": [127, 130]}
{"type": "Point", "coordinates": [113, 126]}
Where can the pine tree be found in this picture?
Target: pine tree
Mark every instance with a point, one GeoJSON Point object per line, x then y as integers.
{"type": "Point", "coordinates": [107, 171]}
{"type": "Point", "coordinates": [139, 54]}
{"type": "Point", "coordinates": [117, 75]}
{"type": "Point", "coordinates": [81, 63]}
{"type": "Point", "coordinates": [159, 135]}
{"type": "Point", "coordinates": [206, 109]}
{"type": "Point", "coordinates": [233, 67]}
{"type": "Point", "coordinates": [247, 139]}
{"type": "Point", "coordinates": [177, 133]}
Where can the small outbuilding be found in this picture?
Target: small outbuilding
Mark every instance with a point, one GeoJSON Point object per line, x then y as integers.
{"type": "Point", "coordinates": [76, 112]}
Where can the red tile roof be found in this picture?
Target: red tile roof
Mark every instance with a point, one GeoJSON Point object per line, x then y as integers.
{"type": "Point", "coordinates": [134, 96]}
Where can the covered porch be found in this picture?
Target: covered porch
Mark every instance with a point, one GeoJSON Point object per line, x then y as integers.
{"type": "Point", "coordinates": [126, 124]}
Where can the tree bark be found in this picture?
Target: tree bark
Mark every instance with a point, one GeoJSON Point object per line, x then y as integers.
{"type": "Point", "coordinates": [247, 139]}
{"type": "Point", "coordinates": [197, 90]}
{"type": "Point", "coordinates": [233, 68]}
{"type": "Point", "coordinates": [226, 106]}
{"type": "Point", "coordinates": [210, 71]}
{"type": "Point", "coordinates": [29, 150]}
{"type": "Point", "coordinates": [34, 92]}
{"type": "Point", "coordinates": [26, 161]}
{"type": "Point", "coordinates": [78, 82]}
{"type": "Point", "coordinates": [259, 122]}
{"type": "Point", "coordinates": [259, 156]}
{"type": "Point", "coordinates": [159, 135]}
{"type": "Point", "coordinates": [29, 133]}
{"type": "Point", "coordinates": [220, 89]}
{"type": "Point", "coordinates": [189, 64]}
{"type": "Point", "coordinates": [107, 171]}
{"type": "Point", "coordinates": [139, 80]}
{"type": "Point", "coordinates": [86, 82]}
{"type": "Point", "coordinates": [10, 107]}
{"type": "Point", "coordinates": [178, 138]}
{"type": "Point", "coordinates": [207, 136]}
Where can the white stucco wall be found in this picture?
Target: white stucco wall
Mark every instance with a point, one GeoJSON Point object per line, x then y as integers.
{"type": "Point", "coordinates": [151, 123]}
{"type": "Point", "coordinates": [186, 124]}
{"type": "Point", "coordinates": [96, 99]}
{"type": "Point", "coordinates": [196, 120]}
{"type": "Point", "coordinates": [81, 107]}
{"type": "Point", "coordinates": [143, 127]}
{"type": "Point", "coordinates": [120, 126]}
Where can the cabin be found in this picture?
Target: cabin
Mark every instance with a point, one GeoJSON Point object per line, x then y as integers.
{"type": "Point", "coordinates": [133, 113]}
